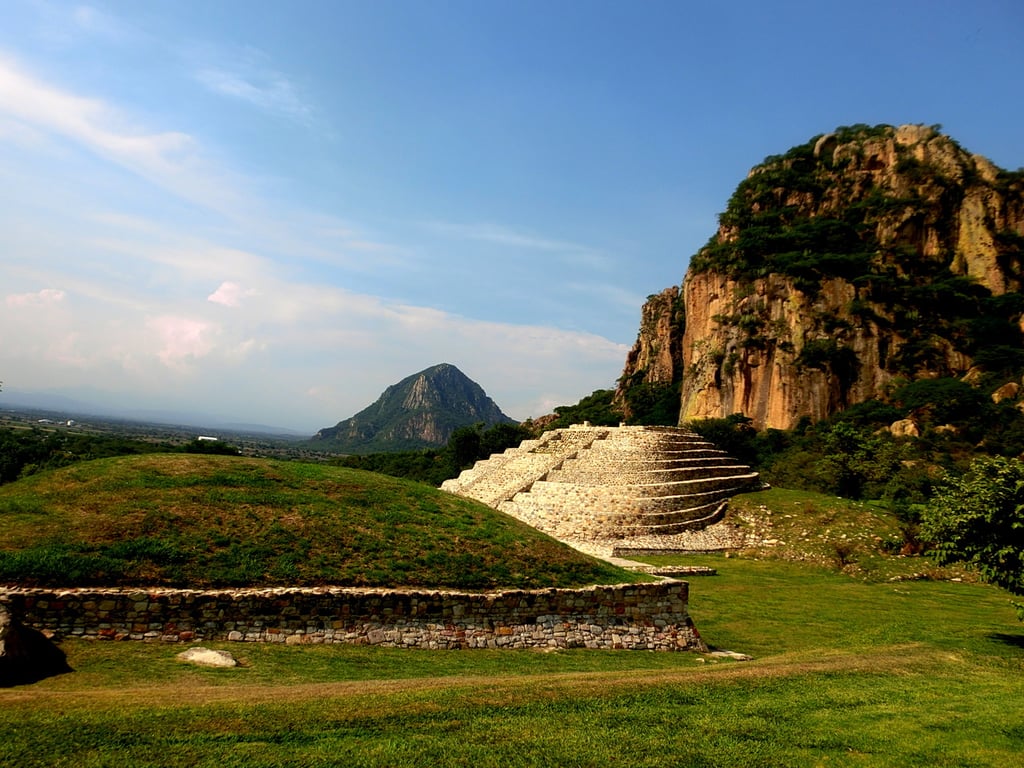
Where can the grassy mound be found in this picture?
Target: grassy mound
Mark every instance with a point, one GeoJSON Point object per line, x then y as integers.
{"type": "Point", "coordinates": [205, 521]}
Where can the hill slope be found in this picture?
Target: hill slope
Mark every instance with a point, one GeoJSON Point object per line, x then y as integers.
{"type": "Point", "coordinates": [420, 411]}
{"type": "Point", "coordinates": [195, 521]}
{"type": "Point", "coordinates": [858, 260]}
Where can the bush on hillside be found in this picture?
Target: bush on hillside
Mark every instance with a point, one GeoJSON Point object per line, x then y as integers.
{"type": "Point", "coordinates": [978, 518]}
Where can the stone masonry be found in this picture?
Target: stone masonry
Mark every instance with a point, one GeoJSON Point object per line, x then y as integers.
{"type": "Point", "coordinates": [598, 488]}
{"type": "Point", "coordinates": [625, 616]}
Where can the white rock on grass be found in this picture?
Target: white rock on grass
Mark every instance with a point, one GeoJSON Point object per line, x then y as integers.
{"type": "Point", "coordinates": [206, 657]}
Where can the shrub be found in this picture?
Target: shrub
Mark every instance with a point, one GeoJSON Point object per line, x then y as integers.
{"type": "Point", "coordinates": [978, 518]}
{"type": "Point", "coordinates": [943, 401]}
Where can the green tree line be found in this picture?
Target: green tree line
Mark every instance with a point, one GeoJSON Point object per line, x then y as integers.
{"type": "Point", "coordinates": [24, 452]}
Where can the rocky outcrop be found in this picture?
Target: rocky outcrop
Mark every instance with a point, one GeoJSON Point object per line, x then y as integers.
{"type": "Point", "coordinates": [656, 355]}
{"type": "Point", "coordinates": [865, 257]}
{"type": "Point", "coordinates": [26, 654]}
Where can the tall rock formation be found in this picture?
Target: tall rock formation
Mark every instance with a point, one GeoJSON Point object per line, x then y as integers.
{"type": "Point", "coordinates": [420, 411]}
{"type": "Point", "coordinates": [861, 259]}
{"type": "Point", "coordinates": [656, 358]}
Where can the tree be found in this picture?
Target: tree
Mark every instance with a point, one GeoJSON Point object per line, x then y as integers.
{"type": "Point", "coordinates": [464, 446]}
{"type": "Point", "coordinates": [979, 519]}
{"type": "Point", "coordinates": [598, 408]}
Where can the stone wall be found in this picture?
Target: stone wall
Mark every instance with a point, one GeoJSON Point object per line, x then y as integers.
{"type": "Point", "coordinates": [633, 616]}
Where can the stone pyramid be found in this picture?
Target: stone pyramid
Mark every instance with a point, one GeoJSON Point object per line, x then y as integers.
{"type": "Point", "coordinates": [610, 486]}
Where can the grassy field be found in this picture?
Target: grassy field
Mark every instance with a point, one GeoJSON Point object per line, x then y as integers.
{"type": "Point", "coordinates": [845, 672]}
{"type": "Point", "coordinates": [191, 520]}
{"type": "Point", "coordinates": [860, 657]}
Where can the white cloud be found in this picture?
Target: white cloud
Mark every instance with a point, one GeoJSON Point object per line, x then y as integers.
{"type": "Point", "coordinates": [181, 340]}
{"type": "Point", "coordinates": [230, 294]}
{"type": "Point", "coordinates": [306, 354]}
{"type": "Point", "coordinates": [45, 297]}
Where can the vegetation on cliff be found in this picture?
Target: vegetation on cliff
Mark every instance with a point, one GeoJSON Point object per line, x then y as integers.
{"type": "Point", "coordinates": [842, 270]}
{"type": "Point", "coordinates": [853, 204]}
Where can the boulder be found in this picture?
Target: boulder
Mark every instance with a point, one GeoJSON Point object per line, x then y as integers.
{"type": "Point", "coordinates": [1008, 391]}
{"type": "Point", "coordinates": [206, 657]}
{"type": "Point", "coordinates": [26, 654]}
{"type": "Point", "coordinates": [904, 428]}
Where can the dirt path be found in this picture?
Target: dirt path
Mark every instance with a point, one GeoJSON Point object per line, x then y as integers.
{"type": "Point", "coordinates": [896, 660]}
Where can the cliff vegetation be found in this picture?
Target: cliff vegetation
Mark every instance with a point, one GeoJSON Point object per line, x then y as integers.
{"type": "Point", "coordinates": [841, 272]}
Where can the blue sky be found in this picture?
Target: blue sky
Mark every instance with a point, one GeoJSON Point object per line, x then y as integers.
{"type": "Point", "coordinates": [270, 211]}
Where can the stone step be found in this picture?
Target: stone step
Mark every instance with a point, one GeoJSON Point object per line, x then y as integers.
{"type": "Point", "coordinates": [606, 448]}
{"type": "Point", "coordinates": [596, 484]}
{"type": "Point", "coordinates": [519, 472]}
{"type": "Point", "coordinates": [644, 528]}
{"type": "Point", "coordinates": [614, 494]}
{"type": "Point", "coordinates": [611, 527]}
{"type": "Point", "coordinates": [629, 476]}
{"type": "Point", "coordinates": [591, 458]}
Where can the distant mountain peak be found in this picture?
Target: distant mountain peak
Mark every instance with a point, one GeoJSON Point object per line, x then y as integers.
{"type": "Point", "coordinates": [420, 411]}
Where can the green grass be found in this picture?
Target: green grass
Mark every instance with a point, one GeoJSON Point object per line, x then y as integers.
{"type": "Point", "coordinates": [845, 672]}
{"type": "Point", "coordinates": [861, 538]}
{"type": "Point", "coordinates": [856, 663]}
{"type": "Point", "coordinates": [192, 520]}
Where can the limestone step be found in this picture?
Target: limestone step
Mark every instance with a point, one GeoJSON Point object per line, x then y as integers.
{"type": "Point", "coordinates": [587, 483]}
{"type": "Point", "coordinates": [628, 476]}
{"type": "Point", "coordinates": [612, 494]}
{"type": "Point", "coordinates": [610, 527]}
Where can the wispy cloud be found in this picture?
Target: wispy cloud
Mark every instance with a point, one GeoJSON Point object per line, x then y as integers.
{"type": "Point", "coordinates": [497, 234]}
{"type": "Point", "coordinates": [170, 159]}
{"type": "Point", "coordinates": [246, 75]}
{"type": "Point", "coordinates": [43, 298]}
{"type": "Point", "coordinates": [98, 23]}
{"type": "Point", "coordinates": [33, 111]}
{"type": "Point", "coordinates": [501, 235]}
{"type": "Point", "coordinates": [608, 294]}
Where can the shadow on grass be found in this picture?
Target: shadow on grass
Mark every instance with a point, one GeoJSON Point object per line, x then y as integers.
{"type": "Point", "coordinates": [1016, 640]}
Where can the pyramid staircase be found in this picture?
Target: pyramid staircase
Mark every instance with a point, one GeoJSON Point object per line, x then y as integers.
{"type": "Point", "coordinates": [605, 485]}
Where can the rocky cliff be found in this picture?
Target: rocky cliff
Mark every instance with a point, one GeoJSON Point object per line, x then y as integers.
{"type": "Point", "coordinates": [420, 411]}
{"type": "Point", "coordinates": [861, 259]}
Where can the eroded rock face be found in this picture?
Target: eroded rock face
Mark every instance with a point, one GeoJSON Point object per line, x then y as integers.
{"type": "Point", "coordinates": [656, 357]}
{"type": "Point", "coordinates": [848, 264]}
